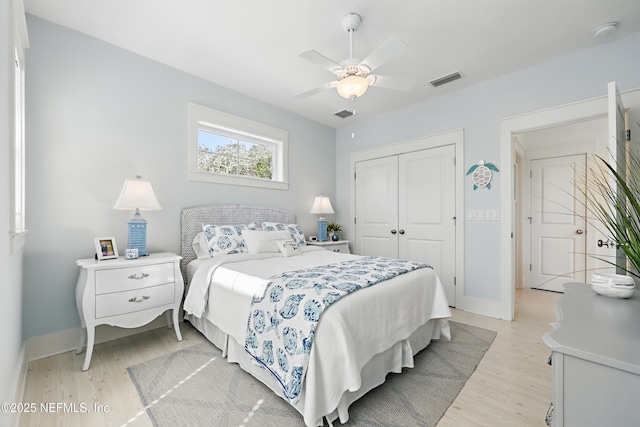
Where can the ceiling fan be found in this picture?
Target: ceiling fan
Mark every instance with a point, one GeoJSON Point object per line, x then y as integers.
{"type": "Point", "coordinates": [353, 75]}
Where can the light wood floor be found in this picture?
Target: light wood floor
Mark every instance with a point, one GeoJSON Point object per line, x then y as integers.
{"type": "Point", "coordinates": [512, 384]}
{"type": "Point", "coordinates": [510, 387]}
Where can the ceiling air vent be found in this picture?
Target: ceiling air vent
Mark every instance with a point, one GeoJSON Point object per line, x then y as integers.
{"type": "Point", "coordinates": [446, 79]}
{"type": "Point", "coordinates": [344, 114]}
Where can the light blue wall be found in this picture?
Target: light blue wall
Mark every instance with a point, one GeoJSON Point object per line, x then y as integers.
{"type": "Point", "coordinates": [478, 110]}
{"type": "Point", "coordinates": [96, 115]}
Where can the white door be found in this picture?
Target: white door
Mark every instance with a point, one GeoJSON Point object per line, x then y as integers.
{"type": "Point", "coordinates": [426, 223]}
{"type": "Point", "coordinates": [377, 207]}
{"type": "Point", "coordinates": [617, 145]}
{"type": "Point", "coordinates": [405, 208]}
{"type": "Point", "coordinates": [558, 244]}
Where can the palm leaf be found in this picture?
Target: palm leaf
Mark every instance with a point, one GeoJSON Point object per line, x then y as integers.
{"type": "Point", "coordinates": [614, 200]}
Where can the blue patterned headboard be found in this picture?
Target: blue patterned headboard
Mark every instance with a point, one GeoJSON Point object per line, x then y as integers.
{"type": "Point", "coordinates": [193, 218]}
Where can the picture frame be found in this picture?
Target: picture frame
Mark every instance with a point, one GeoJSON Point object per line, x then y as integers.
{"type": "Point", "coordinates": [131, 253]}
{"type": "Point", "coordinates": [106, 248]}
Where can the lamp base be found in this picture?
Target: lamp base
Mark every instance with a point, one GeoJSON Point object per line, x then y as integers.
{"type": "Point", "coordinates": [322, 230]}
{"type": "Point", "coordinates": [137, 235]}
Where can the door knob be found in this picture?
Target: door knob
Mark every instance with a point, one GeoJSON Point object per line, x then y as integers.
{"type": "Point", "coordinates": [579, 231]}
{"type": "Point", "coordinates": [401, 231]}
{"type": "Point", "coordinates": [393, 231]}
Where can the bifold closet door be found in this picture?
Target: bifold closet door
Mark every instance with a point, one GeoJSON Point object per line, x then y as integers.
{"type": "Point", "coordinates": [377, 207]}
{"type": "Point", "coordinates": [405, 208]}
{"type": "Point", "coordinates": [426, 211]}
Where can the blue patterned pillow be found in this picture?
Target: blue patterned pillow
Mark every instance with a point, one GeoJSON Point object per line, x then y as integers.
{"type": "Point", "coordinates": [225, 239]}
{"type": "Point", "coordinates": [296, 231]}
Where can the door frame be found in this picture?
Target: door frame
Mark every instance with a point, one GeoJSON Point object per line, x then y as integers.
{"type": "Point", "coordinates": [455, 138]}
{"type": "Point", "coordinates": [565, 114]}
{"type": "Point", "coordinates": [576, 138]}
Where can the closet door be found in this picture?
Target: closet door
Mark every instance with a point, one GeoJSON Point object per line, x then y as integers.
{"type": "Point", "coordinates": [426, 211]}
{"type": "Point", "coordinates": [377, 207]}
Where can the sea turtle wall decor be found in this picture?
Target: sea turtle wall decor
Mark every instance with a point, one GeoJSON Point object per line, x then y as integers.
{"type": "Point", "coordinates": [481, 174]}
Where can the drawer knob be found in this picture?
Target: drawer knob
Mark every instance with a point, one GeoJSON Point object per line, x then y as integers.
{"type": "Point", "coordinates": [140, 277]}
{"type": "Point", "coordinates": [135, 299]}
{"type": "Point", "coordinates": [336, 250]}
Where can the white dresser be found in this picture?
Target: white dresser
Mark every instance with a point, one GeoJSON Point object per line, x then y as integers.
{"type": "Point", "coordinates": [127, 293]}
{"type": "Point", "coordinates": [595, 360]}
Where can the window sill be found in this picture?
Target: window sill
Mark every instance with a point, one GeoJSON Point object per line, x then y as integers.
{"type": "Point", "coordinates": [17, 240]}
{"type": "Point", "coordinates": [237, 180]}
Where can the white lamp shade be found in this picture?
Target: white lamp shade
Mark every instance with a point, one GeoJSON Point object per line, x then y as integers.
{"type": "Point", "coordinates": [322, 206]}
{"type": "Point", "coordinates": [352, 86]}
{"type": "Point", "coordinates": [137, 194]}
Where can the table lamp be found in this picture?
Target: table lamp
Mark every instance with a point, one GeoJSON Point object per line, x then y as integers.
{"type": "Point", "coordinates": [137, 195]}
{"type": "Point", "coordinates": [322, 206]}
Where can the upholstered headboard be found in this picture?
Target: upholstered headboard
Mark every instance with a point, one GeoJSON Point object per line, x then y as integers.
{"type": "Point", "coordinates": [193, 218]}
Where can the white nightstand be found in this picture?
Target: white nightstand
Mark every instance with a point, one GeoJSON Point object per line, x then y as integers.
{"type": "Point", "coordinates": [127, 293]}
{"type": "Point", "coordinates": [339, 246]}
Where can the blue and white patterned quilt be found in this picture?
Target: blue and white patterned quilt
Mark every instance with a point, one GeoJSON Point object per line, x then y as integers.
{"type": "Point", "coordinates": [283, 318]}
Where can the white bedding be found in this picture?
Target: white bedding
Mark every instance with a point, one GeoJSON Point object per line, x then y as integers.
{"type": "Point", "coordinates": [378, 320]}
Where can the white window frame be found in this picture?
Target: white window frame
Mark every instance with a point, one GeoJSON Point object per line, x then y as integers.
{"type": "Point", "coordinates": [213, 121]}
{"type": "Point", "coordinates": [18, 231]}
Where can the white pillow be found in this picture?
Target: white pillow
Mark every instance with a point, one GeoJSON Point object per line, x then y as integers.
{"type": "Point", "coordinates": [200, 246]}
{"type": "Point", "coordinates": [294, 229]}
{"type": "Point", "coordinates": [259, 241]}
{"type": "Point", "coordinates": [287, 247]}
{"type": "Point", "coordinates": [224, 239]}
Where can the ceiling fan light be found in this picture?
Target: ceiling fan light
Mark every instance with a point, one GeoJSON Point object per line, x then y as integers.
{"type": "Point", "coordinates": [352, 86]}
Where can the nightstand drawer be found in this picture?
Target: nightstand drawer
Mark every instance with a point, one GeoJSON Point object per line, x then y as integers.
{"type": "Point", "coordinates": [136, 277]}
{"type": "Point", "coordinates": [116, 303]}
{"type": "Point", "coordinates": [342, 247]}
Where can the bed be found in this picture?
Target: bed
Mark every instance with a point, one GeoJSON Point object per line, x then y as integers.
{"type": "Point", "coordinates": [358, 340]}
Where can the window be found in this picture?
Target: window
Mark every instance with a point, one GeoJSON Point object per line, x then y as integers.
{"type": "Point", "coordinates": [18, 147]}
{"type": "Point", "coordinates": [17, 197]}
{"type": "Point", "coordinates": [232, 150]}
{"type": "Point", "coordinates": [231, 156]}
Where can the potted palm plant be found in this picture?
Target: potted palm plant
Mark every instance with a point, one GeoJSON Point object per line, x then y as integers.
{"type": "Point", "coordinates": [613, 199]}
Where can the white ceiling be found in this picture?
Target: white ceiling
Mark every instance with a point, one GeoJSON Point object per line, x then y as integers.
{"type": "Point", "coordinates": [252, 46]}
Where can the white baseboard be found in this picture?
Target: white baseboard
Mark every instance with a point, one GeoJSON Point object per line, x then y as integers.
{"type": "Point", "coordinates": [479, 306]}
{"type": "Point", "coordinates": [63, 341]}
{"type": "Point", "coordinates": [17, 386]}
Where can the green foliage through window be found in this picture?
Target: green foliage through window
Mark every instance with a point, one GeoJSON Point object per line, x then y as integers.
{"type": "Point", "coordinates": [225, 155]}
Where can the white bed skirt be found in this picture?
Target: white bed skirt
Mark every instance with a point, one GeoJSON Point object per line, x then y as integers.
{"type": "Point", "coordinates": [372, 374]}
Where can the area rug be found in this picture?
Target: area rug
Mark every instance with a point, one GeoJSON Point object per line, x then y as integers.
{"type": "Point", "coordinates": [197, 387]}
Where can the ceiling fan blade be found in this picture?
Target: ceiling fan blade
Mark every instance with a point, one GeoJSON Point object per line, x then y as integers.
{"type": "Point", "coordinates": [403, 84]}
{"type": "Point", "coordinates": [311, 92]}
{"type": "Point", "coordinates": [387, 50]}
{"type": "Point", "coordinates": [321, 60]}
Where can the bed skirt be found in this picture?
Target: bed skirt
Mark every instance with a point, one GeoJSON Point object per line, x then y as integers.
{"type": "Point", "coordinates": [372, 374]}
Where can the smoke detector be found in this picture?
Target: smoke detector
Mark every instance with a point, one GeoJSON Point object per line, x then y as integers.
{"type": "Point", "coordinates": [605, 30]}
